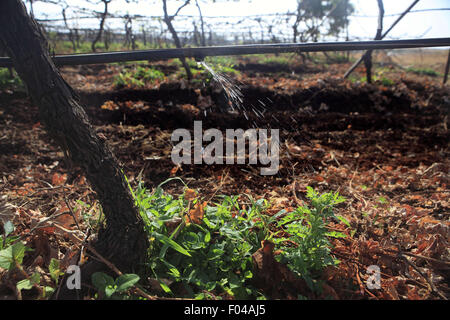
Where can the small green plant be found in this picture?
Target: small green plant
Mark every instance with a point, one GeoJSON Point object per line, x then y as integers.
{"type": "Point", "coordinates": [190, 62]}
{"type": "Point", "coordinates": [306, 227]}
{"type": "Point", "coordinates": [423, 72]}
{"type": "Point", "coordinates": [114, 289]}
{"type": "Point", "coordinates": [148, 74]}
{"type": "Point", "coordinates": [386, 82]}
{"type": "Point", "coordinates": [207, 248]}
{"type": "Point", "coordinates": [55, 270]}
{"type": "Point", "coordinates": [12, 253]}
{"type": "Point", "coordinates": [12, 256]}
{"type": "Point", "coordinates": [274, 59]}
{"type": "Point", "coordinates": [380, 77]}
{"type": "Point", "coordinates": [6, 239]}
{"type": "Point", "coordinates": [8, 80]}
{"type": "Point", "coordinates": [128, 80]}
{"type": "Point", "coordinates": [138, 77]}
{"type": "Point", "coordinates": [212, 255]}
{"type": "Point", "coordinates": [223, 65]}
{"type": "Point", "coordinates": [227, 61]}
{"type": "Point", "coordinates": [91, 215]}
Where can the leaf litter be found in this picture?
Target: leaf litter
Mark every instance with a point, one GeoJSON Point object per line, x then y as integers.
{"type": "Point", "coordinates": [385, 149]}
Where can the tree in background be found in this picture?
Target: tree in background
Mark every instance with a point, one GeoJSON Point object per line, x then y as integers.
{"type": "Point", "coordinates": [103, 16]}
{"type": "Point", "coordinates": [378, 36]}
{"type": "Point", "coordinates": [64, 7]}
{"type": "Point", "coordinates": [202, 24]}
{"type": "Point", "coordinates": [311, 16]}
{"type": "Point", "coordinates": [168, 20]}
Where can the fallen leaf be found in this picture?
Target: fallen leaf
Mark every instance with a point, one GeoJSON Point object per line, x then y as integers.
{"type": "Point", "coordinates": [58, 179]}
{"type": "Point", "coordinates": [174, 170]}
{"type": "Point", "coordinates": [190, 194]}
{"type": "Point", "coordinates": [196, 215]}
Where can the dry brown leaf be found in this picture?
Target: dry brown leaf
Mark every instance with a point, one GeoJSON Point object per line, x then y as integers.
{"type": "Point", "coordinates": [190, 194]}
{"type": "Point", "coordinates": [196, 215]}
{"type": "Point", "coordinates": [58, 179]}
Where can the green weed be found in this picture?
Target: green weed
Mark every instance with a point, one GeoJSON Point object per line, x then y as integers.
{"type": "Point", "coordinates": [423, 72]}
{"type": "Point", "coordinates": [211, 255]}
{"type": "Point", "coordinates": [12, 253]}
{"type": "Point", "coordinates": [306, 227]}
{"type": "Point", "coordinates": [138, 77]}
{"type": "Point", "coordinates": [8, 81]}
{"type": "Point", "coordinates": [111, 288]}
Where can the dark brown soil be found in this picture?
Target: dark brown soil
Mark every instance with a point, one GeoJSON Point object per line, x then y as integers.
{"type": "Point", "coordinates": [369, 142]}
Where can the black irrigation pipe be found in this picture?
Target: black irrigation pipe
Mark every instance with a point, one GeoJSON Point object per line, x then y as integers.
{"type": "Point", "coordinates": [202, 52]}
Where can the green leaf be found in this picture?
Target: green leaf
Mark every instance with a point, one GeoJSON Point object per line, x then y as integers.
{"type": "Point", "coordinates": [12, 255]}
{"type": "Point", "coordinates": [207, 237]}
{"type": "Point", "coordinates": [334, 234]}
{"type": "Point", "coordinates": [171, 243]}
{"type": "Point", "coordinates": [165, 287]}
{"type": "Point", "coordinates": [101, 280]}
{"type": "Point", "coordinates": [173, 270]}
{"type": "Point", "coordinates": [8, 227]}
{"type": "Point", "coordinates": [109, 290]}
{"type": "Point", "coordinates": [54, 269]}
{"type": "Point", "coordinates": [343, 220]}
{"type": "Point", "coordinates": [18, 252]}
{"type": "Point", "coordinates": [126, 281]}
{"type": "Point", "coordinates": [382, 200]}
{"type": "Point", "coordinates": [248, 274]}
{"type": "Point", "coordinates": [48, 291]}
{"type": "Point", "coordinates": [24, 284]}
{"type": "Point", "coordinates": [35, 278]}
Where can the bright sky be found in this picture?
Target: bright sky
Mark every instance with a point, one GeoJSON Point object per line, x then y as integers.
{"type": "Point", "coordinates": [414, 25]}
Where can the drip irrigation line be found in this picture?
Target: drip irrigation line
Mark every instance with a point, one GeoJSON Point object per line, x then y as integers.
{"type": "Point", "coordinates": [201, 52]}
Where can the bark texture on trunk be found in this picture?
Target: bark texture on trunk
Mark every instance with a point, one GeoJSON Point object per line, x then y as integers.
{"type": "Point", "coordinates": [123, 241]}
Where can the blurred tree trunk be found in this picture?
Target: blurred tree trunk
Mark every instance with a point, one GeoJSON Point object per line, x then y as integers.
{"type": "Point", "coordinates": [77, 37]}
{"type": "Point", "coordinates": [378, 36]}
{"type": "Point", "coordinates": [196, 35]}
{"type": "Point", "coordinates": [71, 38]}
{"type": "Point", "coordinates": [123, 240]}
{"type": "Point", "coordinates": [202, 24]}
{"type": "Point", "coordinates": [168, 20]}
{"type": "Point", "coordinates": [144, 36]}
{"type": "Point", "coordinates": [102, 25]}
{"type": "Point", "coordinates": [356, 64]}
{"type": "Point", "coordinates": [447, 66]}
